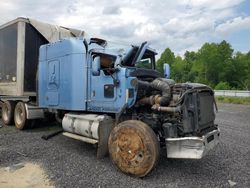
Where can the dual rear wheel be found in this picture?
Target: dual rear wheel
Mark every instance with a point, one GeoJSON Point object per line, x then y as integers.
{"type": "Point", "coordinates": [13, 112]}
{"type": "Point", "coordinates": [8, 108]}
{"type": "Point", "coordinates": [20, 116]}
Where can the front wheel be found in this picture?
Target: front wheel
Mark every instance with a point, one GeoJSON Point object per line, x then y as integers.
{"type": "Point", "coordinates": [20, 116]}
{"type": "Point", "coordinates": [134, 148]}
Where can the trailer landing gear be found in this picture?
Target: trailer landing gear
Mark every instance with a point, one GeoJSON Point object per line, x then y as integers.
{"type": "Point", "coordinates": [134, 148]}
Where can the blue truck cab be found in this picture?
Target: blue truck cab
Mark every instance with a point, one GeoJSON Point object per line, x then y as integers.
{"type": "Point", "coordinates": [69, 79]}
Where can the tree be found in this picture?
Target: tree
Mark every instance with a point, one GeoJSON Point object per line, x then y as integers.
{"type": "Point", "coordinates": [190, 57]}
{"type": "Point", "coordinates": [222, 86]}
{"type": "Point", "coordinates": [225, 53]}
{"type": "Point", "coordinates": [178, 69]}
{"type": "Point", "coordinates": [166, 57]}
{"type": "Point", "coordinates": [213, 64]}
{"type": "Point", "coordinates": [215, 59]}
{"type": "Point", "coordinates": [240, 76]}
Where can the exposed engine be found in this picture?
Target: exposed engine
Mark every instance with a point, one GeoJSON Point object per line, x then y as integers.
{"type": "Point", "coordinates": [175, 110]}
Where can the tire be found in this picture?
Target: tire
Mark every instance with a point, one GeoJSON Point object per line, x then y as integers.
{"type": "Point", "coordinates": [8, 108]}
{"type": "Point", "coordinates": [1, 104]}
{"type": "Point", "coordinates": [134, 148]}
{"type": "Point", "coordinates": [20, 116]}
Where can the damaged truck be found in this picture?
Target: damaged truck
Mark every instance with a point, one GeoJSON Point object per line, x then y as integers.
{"type": "Point", "coordinates": [103, 94]}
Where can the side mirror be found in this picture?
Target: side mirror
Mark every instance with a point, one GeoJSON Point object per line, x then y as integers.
{"type": "Point", "coordinates": [96, 65]}
{"type": "Point", "coordinates": [166, 69]}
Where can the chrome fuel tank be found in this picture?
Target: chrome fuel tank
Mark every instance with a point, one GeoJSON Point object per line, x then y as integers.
{"type": "Point", "coordinates": [90, 128]}
{"type": "Point", "coordinates": [85, 125]}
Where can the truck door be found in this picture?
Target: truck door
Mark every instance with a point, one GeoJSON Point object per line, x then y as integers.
{"type": "Point", "coordinates": [102, 89]}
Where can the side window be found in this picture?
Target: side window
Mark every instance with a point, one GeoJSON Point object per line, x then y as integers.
{"type": "Point", "coordinates": [103, 63]}
{"type": "Point", "coordinates": [107, 63]}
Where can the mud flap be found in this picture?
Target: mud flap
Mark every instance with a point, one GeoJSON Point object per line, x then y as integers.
{"type": "Point", "coordinates": [104, 130]}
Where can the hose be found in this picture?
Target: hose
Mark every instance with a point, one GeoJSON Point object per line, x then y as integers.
{"type": "Point", "coordinates": [166, 109]}
{"type": "Point", "coordinates": [158, 84]}
{"type": "Point", "coordinates": [163, 86]}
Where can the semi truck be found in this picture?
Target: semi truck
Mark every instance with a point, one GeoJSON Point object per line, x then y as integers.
{"type": "Point", "coordinates": [103, 94]}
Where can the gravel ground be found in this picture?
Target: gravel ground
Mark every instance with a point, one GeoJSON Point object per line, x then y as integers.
{"type": "Point", "coordinates": [71, 163]}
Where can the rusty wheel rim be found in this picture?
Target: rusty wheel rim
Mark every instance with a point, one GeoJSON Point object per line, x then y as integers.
{"type": "Point", "coordinates": [134, 148]}
{"type": "Point", "coordinates": [130, 147]}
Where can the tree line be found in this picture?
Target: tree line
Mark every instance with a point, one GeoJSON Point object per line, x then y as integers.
{"type": "Point", "coordinates": [214, 64]}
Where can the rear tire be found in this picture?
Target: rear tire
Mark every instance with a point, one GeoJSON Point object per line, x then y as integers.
{"type": "Point", "coordinates": [8, 108]}
{"type": "Point", "coordinates": [20, 116]}
{"type": "Point", "coordinates": [134, 148]}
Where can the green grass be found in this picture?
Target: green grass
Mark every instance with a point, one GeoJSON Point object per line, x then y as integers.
{"type": "Point", "coordinates": [233, 100]}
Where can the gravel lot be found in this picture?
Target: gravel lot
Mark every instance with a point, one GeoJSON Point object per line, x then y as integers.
{"type": "Point", "coordinates": [71, 163]}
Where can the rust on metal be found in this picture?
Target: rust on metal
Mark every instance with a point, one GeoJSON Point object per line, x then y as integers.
{"type": "Point", "coordinates": [134, 148]}
{"type": "Point", "coordinates": [151, 100]}
{"type": "Point", "coordinates": [166, 108]}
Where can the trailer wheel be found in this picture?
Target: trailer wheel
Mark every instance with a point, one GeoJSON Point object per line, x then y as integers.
{"type": "Point", "coordinates": [20, 116]}
{"type": "Point", "coordinates": [134, 148]}
{"type": "Point", "coordinates": [8, 108]}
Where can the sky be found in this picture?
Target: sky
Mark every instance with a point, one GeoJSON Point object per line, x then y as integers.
{"type": "Point", "coordinates": [180, 25]}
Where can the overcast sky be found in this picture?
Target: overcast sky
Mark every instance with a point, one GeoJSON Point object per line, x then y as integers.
{"type": "Point", "coordinates": [179, 24]}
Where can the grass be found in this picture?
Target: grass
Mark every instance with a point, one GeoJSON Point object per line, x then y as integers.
{"type": "Point", "coordinates": [233, 100]}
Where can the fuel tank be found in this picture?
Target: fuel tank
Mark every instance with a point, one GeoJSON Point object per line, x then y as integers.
{"type": "Point", "coordinates": [90, 128]}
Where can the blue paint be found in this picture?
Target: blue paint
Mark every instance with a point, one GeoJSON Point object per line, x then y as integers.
{"type": "Point", "coordinates": [97, 101]}
{"type": "Point", "coordinates": [61, 75]}
{"type": "Point", "coordinates": [66, 80]}
{"type": "Point", "coordinates": [166, 69]}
